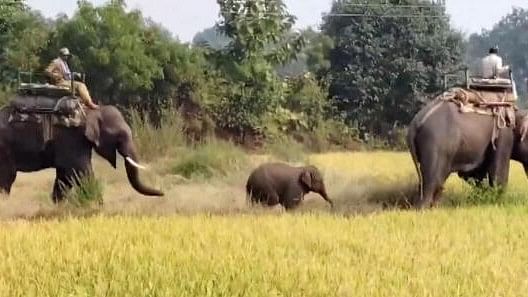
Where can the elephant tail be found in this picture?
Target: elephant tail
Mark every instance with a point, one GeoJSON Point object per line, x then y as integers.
{"type": "Point", "coordinates": [411, 143]}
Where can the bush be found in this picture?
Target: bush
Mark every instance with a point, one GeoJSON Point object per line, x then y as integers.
{"type": "Point", "coordinates": [87, 191]}
{"type": "Point", "coordinates": [4, 96]}
{"type": "Point", "coordinates": [484, 195]}
{"type": "Point", "coordinates": [287, 149]}
{"type": "Point", "coordinates": [213, 158]}
{"type": "Point", "coordinates": [153, 141]}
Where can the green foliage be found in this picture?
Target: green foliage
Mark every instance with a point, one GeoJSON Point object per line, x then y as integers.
{"type": "Point", "coordinates": [111, 47]}
{"type": "Point", "coordinates": [382, 69]}
{"type": "Point", "coordinates": [154, 141]}
{"type": "Point", "coordinates": [211, 38]}
{"type": "Point", "coordinates": [243, 106]}
{"type": "Point", "coordinates": [511, 36]}
{"type": "Point", "coordinates": [251, 88]}
{"type": "Point", "coordinates": [87, 191]}
{"type": "Point", "coordinates": [23, 43]}
{"type": "Point", "coordinates": [128, 60]}
{"type": "Point", "coordinates": [8, 12]}
{"type": "Point", "coordinates": [287, 149]}
{"type": "Point", "coordinates": [5, 94]}
{"type": "Point", "coordinates": [257, 29]}
{"type": "Point", "coordinates": [318, 47]}
{"type": "Point", "coordinates": [213, 158]}
{"type": "Point", "coordinates": [308, 99]}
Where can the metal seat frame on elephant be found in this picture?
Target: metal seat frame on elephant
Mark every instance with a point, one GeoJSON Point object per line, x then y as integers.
{"type": "Point", "coordinates": [45, 104]}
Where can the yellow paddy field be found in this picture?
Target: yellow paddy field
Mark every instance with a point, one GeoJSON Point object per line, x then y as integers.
{"type": "Point", "coordinates": [202, 240]}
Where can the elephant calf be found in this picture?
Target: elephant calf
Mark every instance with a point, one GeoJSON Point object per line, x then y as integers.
{"type": "Point", "coordinates": [278, 183]}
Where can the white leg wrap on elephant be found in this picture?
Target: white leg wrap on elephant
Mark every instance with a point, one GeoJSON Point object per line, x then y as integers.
{"type": "Point", "coordinates": [133, 163]}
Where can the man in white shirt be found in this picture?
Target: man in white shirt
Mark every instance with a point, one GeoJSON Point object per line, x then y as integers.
{"type": "Point", "coordinates": [491, 66]}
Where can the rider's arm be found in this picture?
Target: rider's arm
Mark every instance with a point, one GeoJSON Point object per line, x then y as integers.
{"type": "Point", "coordinates": [53, 71]}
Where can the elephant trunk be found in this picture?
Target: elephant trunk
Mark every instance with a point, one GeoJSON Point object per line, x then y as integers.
{"type": "Point", "coordinates": [326, 198]}
{"type": "Point", "coordinates": [132, 170]}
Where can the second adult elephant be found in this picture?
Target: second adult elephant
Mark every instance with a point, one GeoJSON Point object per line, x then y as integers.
{"type": "Point", "coordinates": [443, 140]}
{"type": "Point", "coordinates": [69, 151]}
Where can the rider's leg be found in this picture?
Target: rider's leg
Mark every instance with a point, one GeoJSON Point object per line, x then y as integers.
{"type": "Point", "coordinates": [82, 90]}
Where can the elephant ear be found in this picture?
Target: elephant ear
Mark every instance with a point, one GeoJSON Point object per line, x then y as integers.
{"type": "Point", "coordinates": [523, 127]}
{"type": "Point", "coordinates": [103, 142]}
{"type": "Point", "coordinates": [93, 128]}
{"type": "Point", "coordinates": [306, 179]}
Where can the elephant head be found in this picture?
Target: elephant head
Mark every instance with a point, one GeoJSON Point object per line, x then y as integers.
{"type": "Point", "coordinates": [312, 181]}
{"type": "Point", "coordinates": [109, 133]}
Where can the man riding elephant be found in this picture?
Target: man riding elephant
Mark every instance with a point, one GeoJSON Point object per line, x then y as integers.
{"type": "Point", "coordinates": [60, 75]}
{"type": "Point", "coordinates": [471, 130]}
{"type": "Point", "coordinates": [491, 67]}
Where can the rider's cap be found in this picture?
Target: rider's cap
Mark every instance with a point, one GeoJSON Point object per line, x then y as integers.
{"type": "Point", "coordinates": [64, 51]}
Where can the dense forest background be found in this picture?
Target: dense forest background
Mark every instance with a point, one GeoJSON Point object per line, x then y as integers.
{"type": "Point", "coordinates": [352, 82]}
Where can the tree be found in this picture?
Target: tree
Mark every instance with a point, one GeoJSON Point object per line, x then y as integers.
{"type": "Point", "coordinates": [312, 58]}
{"type": "Point", "coordinates": [511, 35]}
{"type": "Point", "coordinates": [382, 69]}
{"type": "Point", "coordinates": [109, 46]}
{"type": "Point", "coordinates": [260, 39]}
{"type": "Point", "coordinates": [211, 38]}
{"type": "Point", "coordinates": [257, 28]}
{"type": "Point", "coordinates": [129, 61]}
{"type": "Point", "coordinates": [8, 12]}
{"type": "Point", "coordinates": [26, 39]}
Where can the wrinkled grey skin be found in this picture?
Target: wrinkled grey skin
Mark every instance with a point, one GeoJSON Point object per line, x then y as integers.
{"type": "Point", "coordinates": [447, 141]}
{"type": "Point", "coordinates": [277, 183]}
{"type": "Point", "coordinates": [520, 148]}
{"type": "Point", "coordinates": [70, 152]}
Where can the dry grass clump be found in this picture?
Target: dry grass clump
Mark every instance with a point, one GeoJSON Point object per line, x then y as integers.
{"type": "Point", "coordinates": [157, 141]}
{"type": "Point", "coordinates": [212, 158]}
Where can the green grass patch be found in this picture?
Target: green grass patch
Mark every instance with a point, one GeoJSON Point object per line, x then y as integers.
{"type": "Point", "coordinates": [154, 141]}
{"type": "Point", "coordinates": [287, 149]}
{"type": "Point", "coordinates": [88, 191]}
{"type": "Point", "coordinates": [212, 158]}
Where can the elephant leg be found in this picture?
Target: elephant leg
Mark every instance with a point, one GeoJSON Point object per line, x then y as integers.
{"type": "Point", "coordinates": [272, 198]}
{"type": "Point", "coordinates": [293, 197]}
{"type": "Point", "coordinates": [443, 174]}
{"type": "Point", "coordinates": [435, 170]}
{"type": "Point", "coordinates": [8, 172]}
{"type": "Point", "coordinates": [67, 178]}
{"type": "Point", "coordinates": [499, 169]}
{"type": "Point", "coordinates": [437, 196]}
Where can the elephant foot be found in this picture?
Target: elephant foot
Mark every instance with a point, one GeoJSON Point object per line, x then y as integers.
{"type": "Point", "coordinates": [59, 193]}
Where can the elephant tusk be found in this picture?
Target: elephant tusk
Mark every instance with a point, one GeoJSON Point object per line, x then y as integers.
{"type": "Point", "coordinates": [133, 163]}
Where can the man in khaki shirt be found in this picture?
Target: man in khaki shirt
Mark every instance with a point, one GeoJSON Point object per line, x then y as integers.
{"type": "Point", "coordinates": [60, 74]}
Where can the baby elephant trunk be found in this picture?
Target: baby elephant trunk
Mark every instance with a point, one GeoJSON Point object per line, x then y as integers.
{"type": "Point", "coordinates": [326, 198]}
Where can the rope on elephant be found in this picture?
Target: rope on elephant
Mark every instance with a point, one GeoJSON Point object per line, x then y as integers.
{"type": "Point", "coordinates": [497, 104]}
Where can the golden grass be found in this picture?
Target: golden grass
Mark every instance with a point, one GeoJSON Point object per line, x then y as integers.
{"type": "Point", "coordinates": [464, 252]}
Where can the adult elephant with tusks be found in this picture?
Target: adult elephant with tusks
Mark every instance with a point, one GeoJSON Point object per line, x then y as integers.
{"type": "Point", "coordinates": [69, 151]}
{"type": "Point", "coordinates": [442, 139]}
